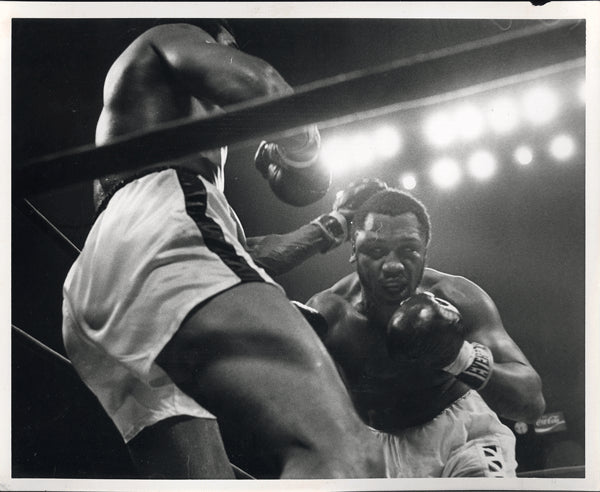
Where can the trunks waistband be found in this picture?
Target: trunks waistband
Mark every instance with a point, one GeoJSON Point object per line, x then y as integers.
{"type": "Point", "coordinates": [117, 185]}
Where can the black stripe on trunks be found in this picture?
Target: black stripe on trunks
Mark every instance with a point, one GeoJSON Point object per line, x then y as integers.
{"type": "Point", "coordinates": [196, 199]}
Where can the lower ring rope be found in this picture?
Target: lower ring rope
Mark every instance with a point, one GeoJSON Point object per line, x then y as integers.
{"type": "Point", "coordinates": [240, 474]}
{"type": "Point", "coordinates": [41, 345]}
{"type": "Point", "coordinates": [44, 222]}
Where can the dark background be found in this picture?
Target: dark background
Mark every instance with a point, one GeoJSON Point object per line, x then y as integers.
{"type": "Point", "coordinates": [521, 236]}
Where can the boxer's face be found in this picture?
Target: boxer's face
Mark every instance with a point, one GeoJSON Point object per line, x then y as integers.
{"type": "Point", "coordinates": [390, 257]}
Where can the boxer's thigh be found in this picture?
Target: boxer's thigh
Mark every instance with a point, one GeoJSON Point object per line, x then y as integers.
{"type": "Point", "coordinates": [248, 356]}
{"type": "Point", "coordinates": [181, 448]}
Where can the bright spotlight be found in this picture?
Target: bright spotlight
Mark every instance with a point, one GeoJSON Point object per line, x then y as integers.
{"type": "Point", "coordinates": [440, 129]}
{"type": "Point", "coordinates": [523, 155]}
{"type": "Point", "coordinates": [362, 150]}
{"type": "Point", "coordinates": [387, 141]}
{"type": "Point", "coordinates": [337, 155]}
{"type": "Point", "coordinates": [562, 147]}
{"type": "Point", "coordinates": [482, 165]}
{"type": "Point", "coordinates": [468, 122]}
{"type": "Point", "coordinates": [408, 181]}
{"type": "Point", "coordinates": [503, 115]}
{"type": "Point", "coordinates": [540, 105]}
{"type": "Point", "coordinates": [446, 173]}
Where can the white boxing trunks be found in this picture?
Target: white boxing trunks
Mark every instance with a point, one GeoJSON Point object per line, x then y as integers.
{"type": "Point", "coordinates": [466, 440]}
{"type": "Point", "coordinates": [165, 243]}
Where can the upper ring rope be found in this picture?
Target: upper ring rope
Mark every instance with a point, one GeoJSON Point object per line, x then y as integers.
{"type": "Point", "coordinates": [353, 93]}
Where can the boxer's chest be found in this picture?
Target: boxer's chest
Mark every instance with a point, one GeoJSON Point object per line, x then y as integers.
{"type": "Point", "coordinates": [386, 393]}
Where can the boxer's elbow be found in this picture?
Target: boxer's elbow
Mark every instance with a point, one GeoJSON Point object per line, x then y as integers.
{"type": "Point", "coordinates": [533, 403]}
{"type": "Point", "coordinates": [536, 402]}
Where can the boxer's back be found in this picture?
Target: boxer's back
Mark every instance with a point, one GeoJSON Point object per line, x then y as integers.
{"type": "Point", "coordinates": [140, 93]}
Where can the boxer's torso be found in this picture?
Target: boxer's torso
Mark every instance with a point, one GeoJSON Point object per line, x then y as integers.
{"type": "Point", "coordinates": [388, 395]}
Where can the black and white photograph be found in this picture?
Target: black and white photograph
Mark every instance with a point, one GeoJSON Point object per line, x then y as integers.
{"type": "Point", "coordinates": [335, 243]}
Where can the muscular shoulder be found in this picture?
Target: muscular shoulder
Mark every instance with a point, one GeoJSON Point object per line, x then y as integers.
{"type": "Point", "coordinates": [159, 38]}
{"type": "Point", "coordinates": [450, 286]}
{"type": "Point", "coordinates": [477, 307]}
{"type": "Point", "coordinates": [333, 303]}
{"type": "Point", "coordinates": [142, 59]}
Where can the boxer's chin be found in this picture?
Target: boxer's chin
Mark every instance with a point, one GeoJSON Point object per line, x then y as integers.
{"type": "Point", "coordinates": [393, 294]}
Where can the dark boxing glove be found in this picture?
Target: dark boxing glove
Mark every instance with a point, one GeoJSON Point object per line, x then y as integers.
{"type": "Point", "coordinates": [314, 318]}
{"type": "Point", "coordinates": [293, 170]}
{"type": "Point", "coordinates": [429, 330]}
{"type": "Point", "coordinates": [425, 329]}
{"type": "Point", "coordinates": [336, 224]}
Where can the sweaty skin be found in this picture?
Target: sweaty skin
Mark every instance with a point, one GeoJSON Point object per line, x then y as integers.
{"type": "Point", "coordinates": [389, 395]}
{"type": "Point", "coordinates": [245, 354]}
{"type": "Point", "coordinates": [163, 76]}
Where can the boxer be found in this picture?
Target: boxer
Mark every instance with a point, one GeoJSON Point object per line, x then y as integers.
{"type": "Point", "coordinates": [423, 353]}
{"type": "Point", "coordinates": [166, 316]}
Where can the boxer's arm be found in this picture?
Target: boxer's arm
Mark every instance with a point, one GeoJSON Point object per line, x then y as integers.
{"type": "Point", "coordinates": [514, 389]}
{"type": "Point", "coordinates": [280, 253]}
{"type": "Point", "coordinates": [153, 80]}
{"type": "Point", "coordinates": [210, 71]}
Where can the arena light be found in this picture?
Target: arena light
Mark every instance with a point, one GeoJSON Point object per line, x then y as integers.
{"type": "Point", "coordinates": [523, 155]}
{"type": "Point", "coordinates": [482, 165]}
{"type": "Point", "coordinates": [446, 173]}
{"type": "Point", "coordinates": [540, 105]}
{"type": "Point", "coordinates": [408, 181]}
{"type": "Point", "coordinates": [468, 122]}
{"type": "Point", "coordinates": [562, 147]}
{"type": "Point", "coordinates": [387, 141]}
{"type": "Point", "coordinates": [440, 129]}
{"type": "Point", "coordinates": [336, 155]}
{"type": "Point", "coordinates": [503, 115]}
{"type": "Point", "coordinates": [363, 151]}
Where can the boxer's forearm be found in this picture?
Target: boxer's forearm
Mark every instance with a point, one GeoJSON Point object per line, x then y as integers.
{"type": "Point", "coordinates": [279, 253]}
{"type": "Point", "coordinates": [514, 391]}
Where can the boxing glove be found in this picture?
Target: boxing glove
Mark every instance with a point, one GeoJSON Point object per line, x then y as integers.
{"type": "Point", "coordinates": [425, 329]}
{"type": "Point", "coordinates": [336, 224]}
{"type": "Point", "coordinates": [429, 330]}
{"type": "Point", "coordinates": [294, 172]}
{"type": "Point", "coordinates": [314, 318]}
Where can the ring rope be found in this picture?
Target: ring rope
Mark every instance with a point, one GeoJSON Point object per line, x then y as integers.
{"type": "Point", "coordinates": [403, 81]}
{"type": "Point", "coordinates": [41, 345]}
{"type": "Point", "coordinates": [43, 221]}
{"type": "Point", "coordinates": [568, 471]}
{"type": "Point", "coordinates": [240, 474]}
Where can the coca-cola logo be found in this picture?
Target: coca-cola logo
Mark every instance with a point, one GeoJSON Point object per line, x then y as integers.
{"type": "Point", "coordinates": [551, 422]}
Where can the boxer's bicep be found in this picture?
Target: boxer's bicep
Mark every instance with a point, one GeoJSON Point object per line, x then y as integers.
{"type": "Point", "coordinates": [484, 325]}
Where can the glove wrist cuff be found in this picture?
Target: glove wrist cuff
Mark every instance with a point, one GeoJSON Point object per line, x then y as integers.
{"type": "Point", "coordinates": [479, 371]}
{"type": "Point", "coordinates": [300, 154]}
{"type": "Point", "coordinates": [334, 229]}
{"type": "Point", "coordinates": [463, 360]}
